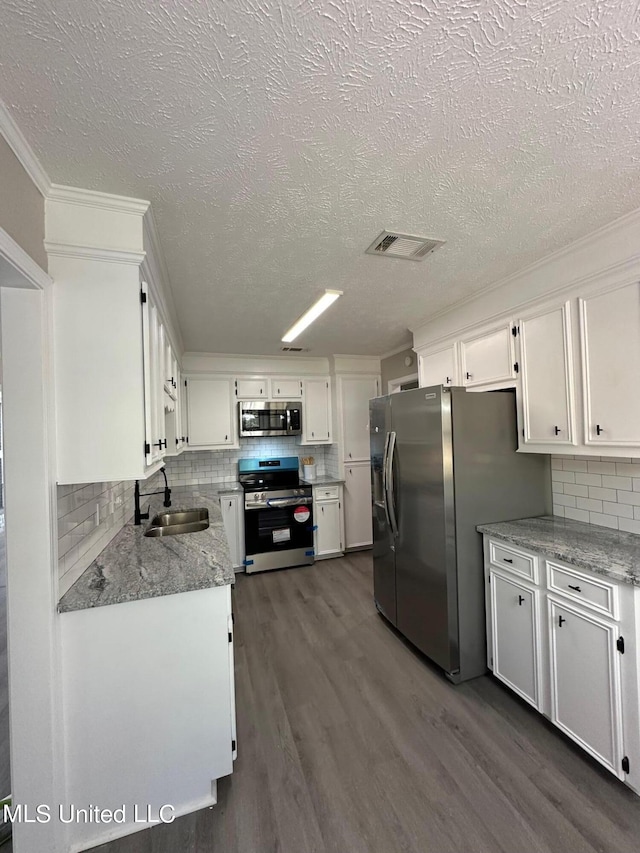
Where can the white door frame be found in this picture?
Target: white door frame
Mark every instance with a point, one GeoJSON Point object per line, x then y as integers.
{"type": "Point", "coordinates": [393, 385]}
{"type": "Point", "coordinates": [33, 647]}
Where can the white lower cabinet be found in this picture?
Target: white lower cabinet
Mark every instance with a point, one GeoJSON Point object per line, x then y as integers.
{"type": "Point", "coordinates": [232, 507]}
{"type": "Point", "coordinates": [148, 697]}
{"type": "Point", "coordinates": [586, 700]}
{"type": "Point", "coordinates": [327, 515]}
{"type": "Point", "coordinates": [516, 636]}
{"type": "Point", "coordinates": [565, 641]}
{"type": "Point", "coordinates": [358, 527]}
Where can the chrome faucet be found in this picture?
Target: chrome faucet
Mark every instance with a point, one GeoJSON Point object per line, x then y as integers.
{"type": "Point", "coordinates": [138, 516]}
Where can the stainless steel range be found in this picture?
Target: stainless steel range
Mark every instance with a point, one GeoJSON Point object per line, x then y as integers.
{"type": "Point", "coordinates": [278, 514]}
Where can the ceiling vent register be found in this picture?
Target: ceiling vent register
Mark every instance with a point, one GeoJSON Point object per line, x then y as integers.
{"type": "Point", "coordinates": [389, 244]}
{"type": "Point", "coordinates": [294, 349]}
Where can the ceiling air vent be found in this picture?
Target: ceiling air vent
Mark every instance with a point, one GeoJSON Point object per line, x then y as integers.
{"type": "Point", "coordinates": [294, 349]}
{"type": "Point", "coordinates": [392, 245]}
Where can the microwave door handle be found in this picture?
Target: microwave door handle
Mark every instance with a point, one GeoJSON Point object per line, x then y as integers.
{"type": "Point", "coordinates": [389, 494]}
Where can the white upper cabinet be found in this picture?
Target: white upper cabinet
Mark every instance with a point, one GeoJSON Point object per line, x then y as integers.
{"type": "Point", "coordinates": [487, 358]}
{"type": "Point", "coordinates": [252, 388]}
{"type": "Point", "coordinates": [547, 377]}
{"type": "Point", "coordinates": [211, 411]}
{"type": "Point", "coordinates": [286, 388]}
{"type": "Point", "coordinates": [438, 367]}
{"type": "Point", "coordinates": [354, 394]}
{"type": "Point", "coordinates": [610, 327]}
{"type": "Point", "coordinates": [316, 411]}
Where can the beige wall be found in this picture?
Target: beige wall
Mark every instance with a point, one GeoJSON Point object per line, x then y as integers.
{"type": "Point", "coordinates": [394, 367]}
{"type": "Point", "coordinates": [21, 206]}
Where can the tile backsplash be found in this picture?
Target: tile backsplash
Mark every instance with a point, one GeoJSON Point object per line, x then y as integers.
{"type": "Point", "coordinates": [215, 466]}
{"type": "Point", "coordinates": [90, 515]}
{"type": "Point", "coordinates": [597, 489]}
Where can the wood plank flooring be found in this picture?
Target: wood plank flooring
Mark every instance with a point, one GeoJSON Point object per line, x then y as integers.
{"type": "Point", "coordinates": [350, 742]}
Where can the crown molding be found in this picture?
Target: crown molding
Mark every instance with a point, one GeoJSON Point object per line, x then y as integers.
{"type": "Point", "coordinates": [155, 268]}
{"type": "Point", "coordinates": [94, 253]}
{"type": "Point", "coordinates": [22, 262]}
{"type": "Point", "coordinates": [92, 198]}
{"type": "Point", "coordinates": [628, 218]}
{"type": "Point", "coordinates": [397, 350]}
{"type": "Point", "coordinates": [23, 151]}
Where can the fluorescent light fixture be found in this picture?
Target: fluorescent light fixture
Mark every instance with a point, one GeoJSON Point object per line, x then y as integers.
{"type": "Point", "coordinates": [312, 314]}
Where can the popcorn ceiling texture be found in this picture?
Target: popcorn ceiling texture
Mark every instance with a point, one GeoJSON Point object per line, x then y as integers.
{"type": "Point", "coordinates": [277, 138]}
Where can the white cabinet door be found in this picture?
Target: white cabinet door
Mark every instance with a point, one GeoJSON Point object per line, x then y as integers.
{"type": "Point", "coordinates": [211, 409]}
{"type": "Point", "coordinates": [516, 636]}
{"type": "Point", "coordinates": [286, 388]}
{"type": "Point", "coordinates": [316, 411]}
{"type": "Point", "coordinates": [255, 388]}
{"type": "Point", "coordinates": [438, 368]}
{"type": "Point", "coordinates": [547, 377]}
{"type": "Point", "coordinates": [355, 393]}
{"type": "Point", "coordinates": [610, 324]}
{"type": "Point", "coordinates": [488, 357]}
{"type": "Point", "coordinates": [585, 682]}
{"type": "Point", "coordinates": [153, 343]}
{"type": "Point", "coordinates": [358, 528]}
{"type": "Point", "coordinates": [232, 507]}
{"type": "Point", "coordinates": [328, 538]}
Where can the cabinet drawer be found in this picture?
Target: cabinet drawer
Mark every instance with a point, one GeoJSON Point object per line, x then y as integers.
{"type": "Point", "coordinates": [593, 593]}
{"type": "Point", "coordinates": [518, 562]}
{"type": "Point", "coordinates": [326, 493]}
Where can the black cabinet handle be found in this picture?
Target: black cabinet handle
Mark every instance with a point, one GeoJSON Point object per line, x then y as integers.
{"type": "Point", "coordinates": [561, 619]}
{"type": "Point", "coordinates": [468, 375]}
{"type": "Point", "coordinates": [507, 560]}
{"type": "Point", "coordinates": [448, 380]}
{"type": "Point", "coordinates": [598, 429]}
{"type": "Point", "coordinates": [520, 600]}
{"type": "Point", "coordinates": [557, 430]}
{"type": "Point", "coordinates": [577, 588]}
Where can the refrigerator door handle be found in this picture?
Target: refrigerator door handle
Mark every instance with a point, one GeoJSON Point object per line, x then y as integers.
{"type": "Point", "coordinates": [384, 481]}
{"type": "Point", "coordinates": [391, 509]}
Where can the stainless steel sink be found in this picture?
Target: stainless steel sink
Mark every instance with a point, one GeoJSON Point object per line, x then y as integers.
{"type": "Point", "coordinates": [180, 521]}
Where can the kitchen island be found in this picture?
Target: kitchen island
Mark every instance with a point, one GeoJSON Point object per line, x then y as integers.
{"type": "Point", "coordinates": [147, 675]}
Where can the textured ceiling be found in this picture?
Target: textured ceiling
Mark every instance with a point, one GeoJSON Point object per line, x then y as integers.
{"type": "Point", "coordinates": [277, 138]}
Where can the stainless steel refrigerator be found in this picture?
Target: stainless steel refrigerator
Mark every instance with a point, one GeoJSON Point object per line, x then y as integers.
{"type": "Point", "coordinates": [442, 461]}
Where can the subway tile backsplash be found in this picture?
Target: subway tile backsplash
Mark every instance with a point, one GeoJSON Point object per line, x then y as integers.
{"type": "Point", "coordinates": [597, 489]}
{"type": "Point", "coordinates": [90, 515]}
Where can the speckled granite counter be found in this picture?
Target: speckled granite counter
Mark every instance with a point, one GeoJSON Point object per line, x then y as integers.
{"type": "Point", "coordinates": [587, 546]}
{"type": "Point", "coordinates": [134, 566]}
{"type": "Point", "coordinates": [324, 480]}
{"type": "Point", "coordinates": [227, 488]}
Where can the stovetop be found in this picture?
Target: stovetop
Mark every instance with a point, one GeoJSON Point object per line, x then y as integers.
{"type": "Point", "coordinates": [267, 475]}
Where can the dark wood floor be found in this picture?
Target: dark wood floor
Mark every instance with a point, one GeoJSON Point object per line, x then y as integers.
{"type": "Point", "coordinates": [350, 742]}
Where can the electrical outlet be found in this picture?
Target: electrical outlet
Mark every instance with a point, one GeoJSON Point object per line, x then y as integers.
{"type": "Point", "coordinates": [119, 500]}
{"type": "Point", "coordinates": [97, 514]}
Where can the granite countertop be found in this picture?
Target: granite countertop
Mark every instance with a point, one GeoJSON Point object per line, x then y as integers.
{"type": "Point", "coordinates": [601, 550]}
{"type": "Point", "coordinates": [323, 480]}
{"type": "Point", "coordinates": [134, 566]}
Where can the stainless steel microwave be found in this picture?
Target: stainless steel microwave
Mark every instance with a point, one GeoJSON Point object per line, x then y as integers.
{"type": "Point", "coordinates": [259, 417]}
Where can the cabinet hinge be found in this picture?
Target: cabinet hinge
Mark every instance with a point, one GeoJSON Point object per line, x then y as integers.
{"type": "Point", "coordinates": [625, 764]}
{"type": "Point", "coordinates": [516, 367]}
{"type": "Point", "coordinates": [185, 383]}
{"type": "Point", "coordinates": [230, 635]}
{"type": "Point", "coordinates": [143, 297]}
{"type": "Point", "coordinates": [515, 330]}
{"type": "Point", "coordinates": [147, 448]}
{"type": "Point", "coordinates": [233, 746]}
{"type": "Point", "coordinates": [620, 645]}
{"type": "Point", "coordinates": [523, 432]}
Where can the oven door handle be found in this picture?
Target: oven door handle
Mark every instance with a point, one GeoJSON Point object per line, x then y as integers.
{"type": "Point", "coordinates": [276, 502]}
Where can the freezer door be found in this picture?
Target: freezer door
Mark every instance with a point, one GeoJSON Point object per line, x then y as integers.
{"type": "Point", "coordinates": [384, 567]}
{"type": "Point", "coordinates": [426, 588]}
